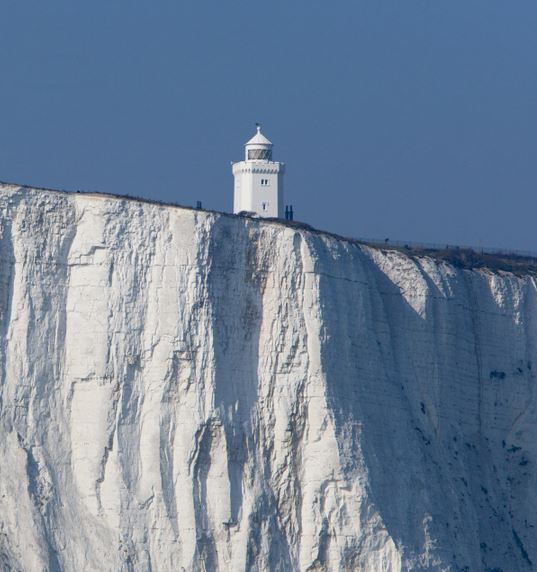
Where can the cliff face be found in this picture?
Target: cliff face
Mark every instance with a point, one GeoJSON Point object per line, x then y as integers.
{"type": "Point", "coordinates": [182, 390]}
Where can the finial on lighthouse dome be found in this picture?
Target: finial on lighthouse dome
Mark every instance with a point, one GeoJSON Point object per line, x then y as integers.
{"type": "Point", "coordinates": [258, 148]}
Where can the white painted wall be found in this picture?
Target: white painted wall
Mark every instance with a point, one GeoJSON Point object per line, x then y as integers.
{"type": "Point", "coordinates": [252, 195]}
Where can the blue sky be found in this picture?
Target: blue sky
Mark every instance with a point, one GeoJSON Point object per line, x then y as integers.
{"type": "Point", "coordinates": [414, 120]}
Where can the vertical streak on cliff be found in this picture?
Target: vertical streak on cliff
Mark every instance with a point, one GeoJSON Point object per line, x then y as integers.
{"type": "Point", "coordinates": [476, 327]}
{"type": "Point", "coordinates": [11, 455]}
{"type": "Point", "coordinates": [274, 522]}
{"type": "Point", "coordinates": [40, 238]}
{"type": "Point", "coordinates": [236, 277]}
{"type": "Point", "coordinates": [319, 489]}
{"type": "Point", "coordinates": [7, 271]}
{"type": "Point", "coordinates": [356, 342]}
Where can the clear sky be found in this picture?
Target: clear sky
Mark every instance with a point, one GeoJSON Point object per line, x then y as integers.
{"type": "Point", "coordinates": [414, 120]}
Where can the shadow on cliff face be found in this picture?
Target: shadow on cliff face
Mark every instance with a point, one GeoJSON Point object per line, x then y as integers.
{"type": "Point", "coordinates": [236, 279]}
{"type": "Point", "coordinates": [7, 271]}
{"type": "Point", "coordinates": [235, 296]}
{"type": "Point", "coordinates": [8, 557]}
{"type": "Point", "coordinates": [388, 381]}
{"type": "Point", "coordinates": [366, 391]}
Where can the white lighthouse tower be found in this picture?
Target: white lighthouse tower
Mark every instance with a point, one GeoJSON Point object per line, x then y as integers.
{"type": "Point", "coordinates": [259, 180]}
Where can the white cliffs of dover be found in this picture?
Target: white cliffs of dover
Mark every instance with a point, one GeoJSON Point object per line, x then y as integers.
{"type": "Point", "coordinates": [184, 390]}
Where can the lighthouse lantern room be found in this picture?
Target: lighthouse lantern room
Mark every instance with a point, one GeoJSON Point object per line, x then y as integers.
{"type": "Point", "coordinates": [258, 180]}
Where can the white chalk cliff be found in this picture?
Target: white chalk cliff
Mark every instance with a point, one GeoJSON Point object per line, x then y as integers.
{"type": "Point", "coordinates": [183, 390]}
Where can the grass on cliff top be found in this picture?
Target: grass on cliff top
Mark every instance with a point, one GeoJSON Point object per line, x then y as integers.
{"type": "Point", "coordinates": [464, 258]}
{"type": "Point", "coordinates": [472, 260]}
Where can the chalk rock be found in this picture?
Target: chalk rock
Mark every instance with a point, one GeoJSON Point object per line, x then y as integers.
{"type": "Point", "coordinates": [185, 390]}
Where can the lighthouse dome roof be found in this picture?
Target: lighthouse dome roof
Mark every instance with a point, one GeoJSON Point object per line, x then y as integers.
{"type": "Point", "coordinates": [259, 139]}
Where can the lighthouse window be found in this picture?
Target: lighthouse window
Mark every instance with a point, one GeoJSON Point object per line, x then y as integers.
{"type": "Point", "coordinates": [264, 182]}
{"type": "Point", "coordinates": [260, 154]}
{"type": "Point", "coordinates": [264, 206]}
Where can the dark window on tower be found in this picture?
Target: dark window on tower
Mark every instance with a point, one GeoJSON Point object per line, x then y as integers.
{"type": "Point", "coordinates": [261, 154]}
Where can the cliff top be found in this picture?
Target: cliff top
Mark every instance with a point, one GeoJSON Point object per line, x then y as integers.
{"type": "Point", "coordinates": [460, 257]}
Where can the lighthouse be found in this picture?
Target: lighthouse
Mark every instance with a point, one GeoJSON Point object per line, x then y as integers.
{"type": "Point", "coordinates": [258, 180]}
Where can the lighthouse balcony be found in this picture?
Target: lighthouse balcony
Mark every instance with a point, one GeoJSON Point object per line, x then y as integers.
{"type": "Point", "coordinates": [261, 167]}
